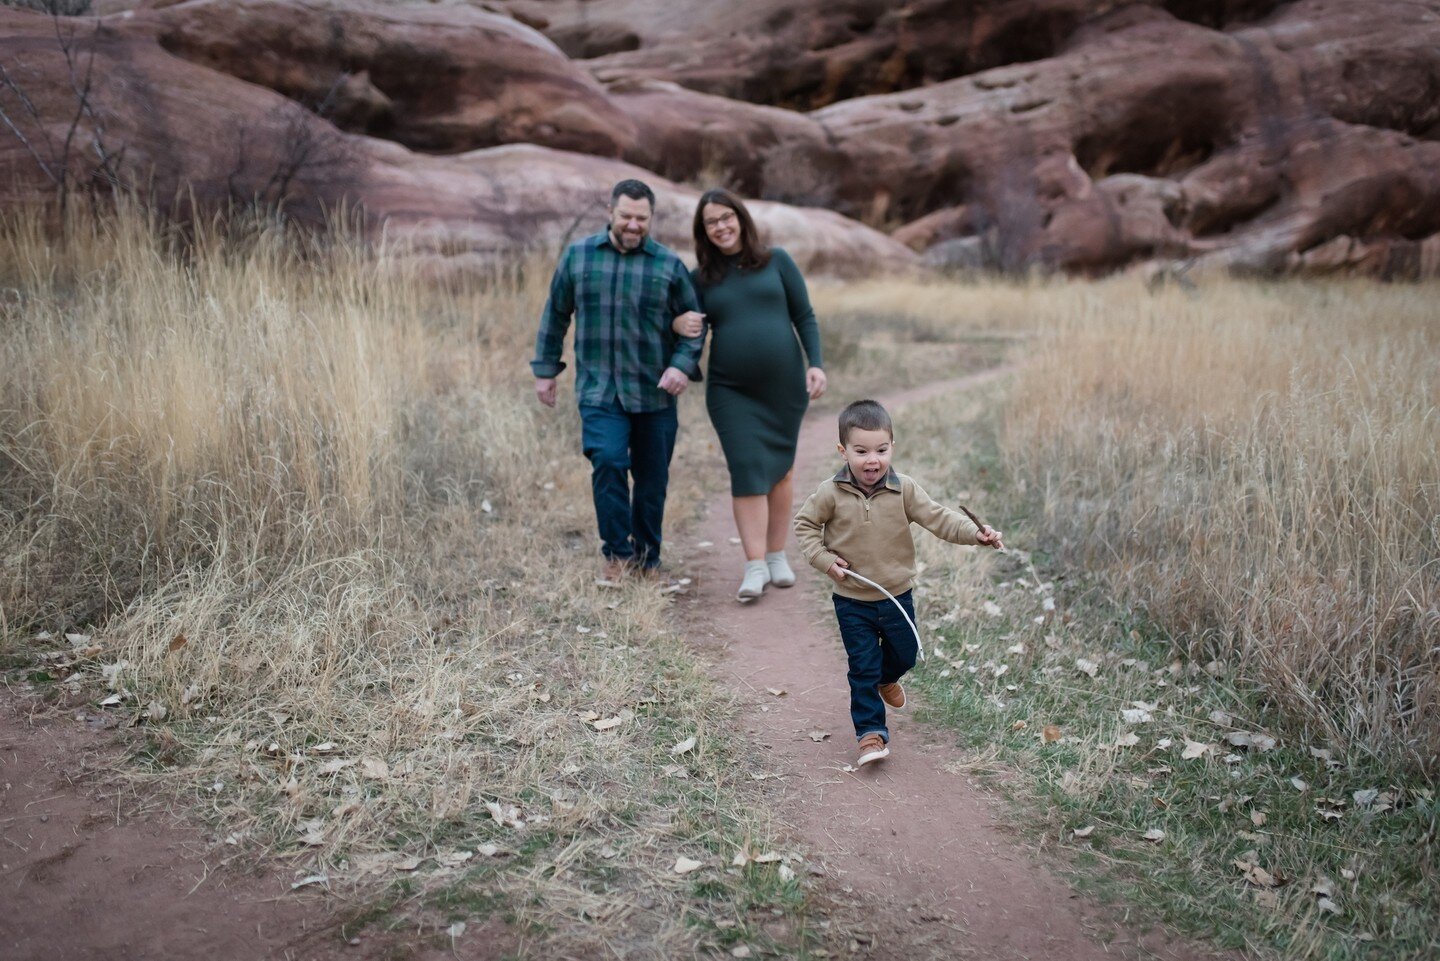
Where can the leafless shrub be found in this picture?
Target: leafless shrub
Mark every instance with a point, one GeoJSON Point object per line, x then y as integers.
{"type": "Point", "coordinates": [83, 159]}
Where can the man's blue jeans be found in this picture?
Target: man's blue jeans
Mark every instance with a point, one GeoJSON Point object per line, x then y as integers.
{"type": "Point", "coordinates": [881, 648]}
{"type": "Point", "coordinates": [621, 446]}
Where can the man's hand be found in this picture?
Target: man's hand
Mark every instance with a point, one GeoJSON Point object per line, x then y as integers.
{"type": "Point", "coordinates": [989, 537]}
{"type": "Point", "coordinates": [689, 324]}
{"type": "Point", "coordinates": [545, 390]}
{"type": "Point", "coordinates": [673, 381]}
{"type": "Point", "coordinates": [837, 570]}
{"type": "Point", "coordinates": [815, 382]}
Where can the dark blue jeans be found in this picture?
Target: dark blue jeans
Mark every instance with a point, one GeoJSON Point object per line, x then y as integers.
{"type": "Point", "coordinates": [622, 446]}
{"type": "Point", "coordinates": [881, 648]}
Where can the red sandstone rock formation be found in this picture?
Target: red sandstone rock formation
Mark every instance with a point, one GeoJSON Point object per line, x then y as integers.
{"type": "Point", "coordinates": [439, 79]}
{"type": "Point", "coordinates": [1076, 134]}
{"type": "Point", "coordinates": [178, 130]}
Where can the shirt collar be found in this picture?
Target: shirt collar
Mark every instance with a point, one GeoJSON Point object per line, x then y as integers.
{"type": "Point", "coordinates": [891, 482]}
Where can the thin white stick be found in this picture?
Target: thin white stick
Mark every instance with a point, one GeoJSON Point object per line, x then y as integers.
{"type": "Point", "coordinates": [900, 607]}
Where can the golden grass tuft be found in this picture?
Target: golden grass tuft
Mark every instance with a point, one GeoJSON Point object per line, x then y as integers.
{"type": "Point", "coordinates": [1258, 467]}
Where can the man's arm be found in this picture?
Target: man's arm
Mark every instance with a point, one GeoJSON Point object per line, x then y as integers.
{"type": "Point", "coordinates": [941, 521]}
{"type": "Point", "coordinates": [681, 297]}
{"type": "Point", "coordinates": [554, 322]}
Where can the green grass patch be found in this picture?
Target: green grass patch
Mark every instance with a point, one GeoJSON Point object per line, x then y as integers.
{"type": "Point", "coordinates": [1173, 787]}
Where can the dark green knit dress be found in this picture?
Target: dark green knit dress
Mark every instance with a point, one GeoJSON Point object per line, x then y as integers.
{"type": "Point", "coordinates": [755, 389]}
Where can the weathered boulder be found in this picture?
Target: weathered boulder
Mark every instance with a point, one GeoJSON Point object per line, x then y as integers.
{"type": "Point", "coordinates": [506, 200]}
{"type": "Point", "coordinates": [1217, 126]}
{"type": "Point", "coordinates": [805, 54]}
{"type": "Point", "coordinates": [710, 140]}
{"type": "Point", "coordinates": [439, 79]}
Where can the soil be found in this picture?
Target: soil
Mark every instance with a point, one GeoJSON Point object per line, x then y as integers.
{"type": "Point", "coordinates": [915, 860]}
{"type": "Point", "coordinates": [91, 871]}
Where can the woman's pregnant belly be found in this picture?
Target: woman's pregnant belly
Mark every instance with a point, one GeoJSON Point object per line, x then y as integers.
{"type": "Point", "coordinates": [755, 355]}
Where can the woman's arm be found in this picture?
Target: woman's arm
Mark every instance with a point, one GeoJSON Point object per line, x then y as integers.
{"type": "Point", "coordinates": [802, 315]}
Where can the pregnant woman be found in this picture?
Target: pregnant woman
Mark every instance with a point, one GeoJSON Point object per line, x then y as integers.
{"type": "Point", "coordinates": [759, 383]}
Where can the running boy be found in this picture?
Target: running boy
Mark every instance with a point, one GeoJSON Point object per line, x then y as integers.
{"type": "Point", "coordinates": [861, 517]}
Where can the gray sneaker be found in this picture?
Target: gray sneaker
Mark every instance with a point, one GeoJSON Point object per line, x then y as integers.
{"type": "Point", "coordinates": [780, 573]}
{"type": "Point", "coordinates": [757, 575]}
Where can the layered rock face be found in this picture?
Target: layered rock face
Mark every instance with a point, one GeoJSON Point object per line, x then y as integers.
{"type": "Point", "coordinates": [1081, 135]}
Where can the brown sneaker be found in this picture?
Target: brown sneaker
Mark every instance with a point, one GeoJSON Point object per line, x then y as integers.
{"type": "Point", "coordinates": [893, 695]}
{"type": "Point", "coordinates": [872, 748]}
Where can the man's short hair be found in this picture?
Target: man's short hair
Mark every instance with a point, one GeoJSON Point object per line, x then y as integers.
{"type": "Point", "coordinates": [864, 415]}
{"type": "Point", "coordinates": [635, 190]}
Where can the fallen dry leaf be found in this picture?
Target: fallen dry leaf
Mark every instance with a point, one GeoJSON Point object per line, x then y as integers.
{"type": "Point", "coordinates": [606, 724]}
{"type": "Point", "coordinates": [453, 859]}
{"type": "Point", "coordinates": [1260, 742]}
{"type": "Point", "coordinates": [1135, 715]}
{"type": "Point", "coordinates": [1194, 749]}
{"type": "Point", "coordinates": [1128, 739]}
{"type": "Point", "coordinates": [777, 691]}
{"type": "Point", "coordinates": [1258, 818]}
{"type": "Point", "coordinates": [312, 879]}
{"type": "Point", "coordinates": [686, 745]}
{"type": "Point", "coordinates": [1085, 832]}
{"type": "Point", "coordinates": [1255, 874]}
{"type": "Point", "coordinates": [818, 736]}
{"type": "Point", "coordinates": [1086, 666]}
{"type": "Point", "coordinates": [684, 865]}
{"type": "Point", "coordinates": [1154, 834]}
{"type": "Point", "coordinates": [374, 768]}
{"type": "Point", "coordinates": [179, 641]}
{"type": "Point", "coordinates": [1051, 734]}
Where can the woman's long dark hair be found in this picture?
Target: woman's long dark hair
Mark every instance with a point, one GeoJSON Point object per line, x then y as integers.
{"type": "Point", "coordinates": [753, 254]}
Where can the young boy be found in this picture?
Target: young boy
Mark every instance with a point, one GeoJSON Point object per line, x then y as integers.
{"type": "Point", "coordinates": [861, 518]}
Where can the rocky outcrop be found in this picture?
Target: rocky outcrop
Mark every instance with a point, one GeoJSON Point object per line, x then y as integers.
{"type": "Point", "coordinates": [1151, 137]}
{"type": "Point", "coordinates": [174, 129]}
{"type": "Point", "coordinates": [439, 79]}
{"type": "Point", "coordinates": [806, 54]}
{"type": "Point", "coordinates": [710, 140]}
{"type": "Point", "coordinates": [1079, 135]}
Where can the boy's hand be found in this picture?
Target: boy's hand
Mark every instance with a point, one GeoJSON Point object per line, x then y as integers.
{"type": "Point", "coordinates": [989, 537]}
{"type": "Point", "coordinates": [837, 570]}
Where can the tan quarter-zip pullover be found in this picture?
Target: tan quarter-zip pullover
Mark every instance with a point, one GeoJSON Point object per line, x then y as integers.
{"type": "Point", "coordinates": [872, 532]}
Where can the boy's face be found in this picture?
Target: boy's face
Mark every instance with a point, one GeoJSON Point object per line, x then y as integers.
{"type": "Point", "coordinates": [868, 454]}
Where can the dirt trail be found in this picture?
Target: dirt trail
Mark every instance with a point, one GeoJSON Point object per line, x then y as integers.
{"type": "Point", "coordinates": [84, 876]}
{"type": "Point", "coordinates": [911, 834]}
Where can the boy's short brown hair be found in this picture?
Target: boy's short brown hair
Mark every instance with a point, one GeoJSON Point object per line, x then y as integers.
{"type": "Point", "coordinates": [864, 415]}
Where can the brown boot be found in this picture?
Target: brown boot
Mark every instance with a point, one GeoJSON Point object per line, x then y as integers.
{"type": "Point", "coordinates": [872, 748]}
{"type": "Point", "coordinates": [613, 572]}
{"type": "Point", "coordinates": [893, 695]}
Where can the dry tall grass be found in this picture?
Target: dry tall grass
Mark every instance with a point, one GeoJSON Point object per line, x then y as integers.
{"type": "Point", "coordinates": [340, 565]}
{"type": "Point", "coordinates": [1259, 468]}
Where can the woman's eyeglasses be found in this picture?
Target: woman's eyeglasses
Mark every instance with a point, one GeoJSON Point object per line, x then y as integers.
{"type": "Point", "coordinates": [725, 218]}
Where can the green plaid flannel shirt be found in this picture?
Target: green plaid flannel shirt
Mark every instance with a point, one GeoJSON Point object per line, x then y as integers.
{"type": "Point", "coordinates": [623, 305]}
